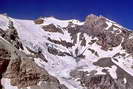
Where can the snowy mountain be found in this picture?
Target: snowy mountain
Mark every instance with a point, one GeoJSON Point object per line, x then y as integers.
{"type": "Point", "coordinates": [49, 53]}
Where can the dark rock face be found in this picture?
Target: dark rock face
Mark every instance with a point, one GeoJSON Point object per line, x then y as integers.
{"type": "Point", "coordinates": [25, 73]}
{"type": "Point", "coordinates": [38, 21]}
{"type": "Point", "coordinates": [107, 40]}
{"type": "Point", "coordinates": [4, 61]}
{"type": "Point", "coordinates": [11, 36]}
{"type": "Point", "coordinates": [2, 33]}
{"type": "Point", "coordinates": [105, 82]}
{"type": "Point", "coordinates": [3, 66]}
{"type": "Point", "coordinates": [93, 81]}
{"type": "Point", "coordinates": [104, 62]}
{"type": "Point", "coordinates": [100, 82]}
{"type": "Point", "coordinates": [52, 28]}
{"type": "Point", "coordinates": [62, 42]}
{"type": "Point", "coordinates": [52, 50]}
{"type": "Point", "coordinates": [73, 31]}
{"type": "Point", "coordinates": [94, 25]}
{"type": "Point", "coordinates": [128, 45]}
{"type": "Point", "coordinates": [113, 40]}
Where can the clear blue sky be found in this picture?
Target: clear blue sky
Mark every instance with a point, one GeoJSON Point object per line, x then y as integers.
{"type": "Point", "coordinates": [120, 11]}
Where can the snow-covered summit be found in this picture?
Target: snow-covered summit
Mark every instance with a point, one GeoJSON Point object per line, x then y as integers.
{"type": "Point", "coordinates": [62, 23]}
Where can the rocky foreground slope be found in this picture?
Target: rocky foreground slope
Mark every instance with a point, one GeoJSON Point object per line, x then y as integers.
{"type": "Point", "coordinates": [48, 53]}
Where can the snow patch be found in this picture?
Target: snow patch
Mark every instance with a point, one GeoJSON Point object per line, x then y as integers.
{"type": "Point", "coordinates": [125, 80]}
{"type": "Point", "coordinates": [6, 84]}
{"type": "Point", "coordinates": [61, 23]}
{"type": "Point", "coordinates": [112, 72]}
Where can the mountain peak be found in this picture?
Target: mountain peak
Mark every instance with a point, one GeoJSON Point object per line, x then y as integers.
{"type": "Point", "coordinates": [49, 53]}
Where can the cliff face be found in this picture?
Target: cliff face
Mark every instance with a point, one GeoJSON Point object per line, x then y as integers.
{"type": "Point", "coordinates": [65, 54]}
